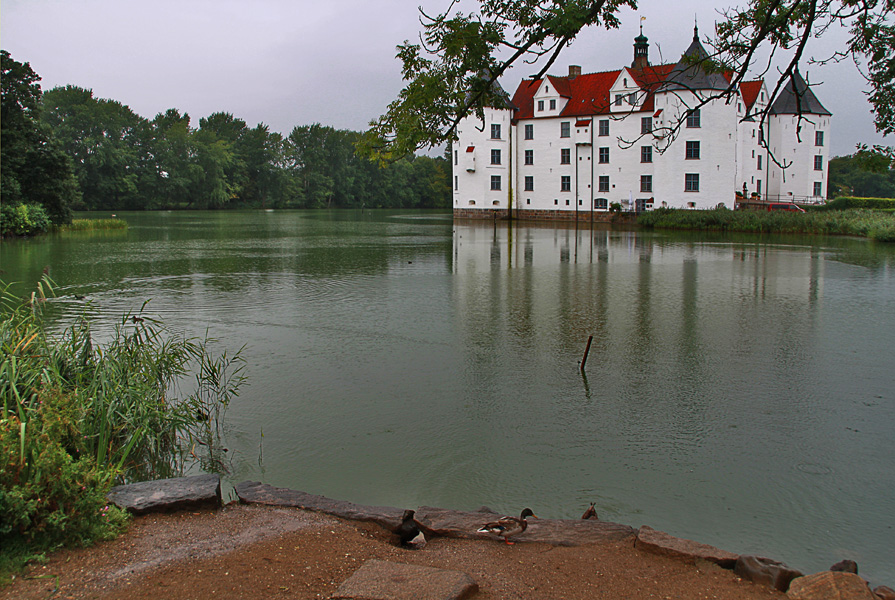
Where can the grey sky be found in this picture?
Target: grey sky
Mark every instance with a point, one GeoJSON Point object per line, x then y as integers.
{"type": "Point", "coordinates": [298, 62]}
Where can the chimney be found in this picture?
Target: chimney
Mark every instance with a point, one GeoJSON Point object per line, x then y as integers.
{"type": "Point", "coordinates": [574, 71]}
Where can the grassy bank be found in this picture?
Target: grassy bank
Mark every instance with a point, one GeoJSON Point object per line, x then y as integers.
{"type": "Point", "coordinates": [79, 416]}
{"type": "Point", "coordinates": [876, 225]}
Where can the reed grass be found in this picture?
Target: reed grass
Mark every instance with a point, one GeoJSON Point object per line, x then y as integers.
{"type": "Point", "coordinates": [79, 416]}
{"type": "Point", "coordinates": [93, 224]}
{"type": "Point", "coordinates": [876, 225]}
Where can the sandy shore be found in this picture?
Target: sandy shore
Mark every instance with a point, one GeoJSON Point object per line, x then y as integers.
{"type": "Point", "coordinates": [264, 552]}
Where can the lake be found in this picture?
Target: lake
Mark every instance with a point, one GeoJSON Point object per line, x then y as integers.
{"type": "Point", "coordinates": [739, 390]}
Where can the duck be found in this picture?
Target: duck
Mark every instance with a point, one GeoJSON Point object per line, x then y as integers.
{"type": "Point", "coordinates": [507, 526]}
{"type": "Point", "coordinates": [591, 513]}
{"type": "Point", "coordinates": [408, 530]}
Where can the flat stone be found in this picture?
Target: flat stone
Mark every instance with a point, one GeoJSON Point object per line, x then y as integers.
{"type": "Point", "coordinates": [383, 580]}
{"type": "Point", "coordinates": [765, 571]}
{"type": "Point", "coordinates": [165, 495]}
{"type": "Point", "coordinates": [254, 492]}
{"type": "Point", "coordinates": [558, 532]}
{"type": "Point", "coordinates": [846, 566]}
{"type": "Point", "coordinates": [830, 585]}
{"type": "Point", "coordinates": [659, 542]}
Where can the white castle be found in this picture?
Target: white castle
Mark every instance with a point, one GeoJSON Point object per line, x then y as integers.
{"type": "Point", "coordinates": [569, 147]}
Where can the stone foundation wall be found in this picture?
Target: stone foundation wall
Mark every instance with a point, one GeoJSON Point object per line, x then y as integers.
{"type": "Point", "coordinates": [543, 215]}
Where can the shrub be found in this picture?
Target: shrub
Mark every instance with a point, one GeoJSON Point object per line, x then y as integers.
{"type": "Point", "coordinates": [848, 202]}
{"type": "Point", "coordinates": [78, 417]}
{"type": "Point", "coordinates": [23, 219]}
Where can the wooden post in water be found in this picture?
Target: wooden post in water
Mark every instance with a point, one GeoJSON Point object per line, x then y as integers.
{"type": "Point", "coordinates": [586, 350]}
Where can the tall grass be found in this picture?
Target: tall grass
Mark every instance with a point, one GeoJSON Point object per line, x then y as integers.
{"type": "Point", "coordinates": [876, 225]}
{"type": "Point", "coordinates": [93, 224]}
{"type": "Point", "coordinates": [78, 416]}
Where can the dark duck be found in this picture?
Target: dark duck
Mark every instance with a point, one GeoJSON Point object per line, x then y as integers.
{"type": "Point", "coordinates": [408, 530]}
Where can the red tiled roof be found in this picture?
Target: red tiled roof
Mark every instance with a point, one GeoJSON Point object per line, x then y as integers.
{"type": "Point", "coordinates": [588, 94]}
{"type": "Point", "coordinates": [470, 148]}
{"type": "Point", "coordinates": [750, 90]}
{"type": "Point", "coordinates": [582, 122]}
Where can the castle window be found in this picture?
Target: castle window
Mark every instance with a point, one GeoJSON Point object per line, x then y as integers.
{"type": "Point", "coordinates": [456, 158]}
{"type": "Point", "coordinates": [604, 127]}
{"type": "Point", "coordinates": [529, 183]}
{"type": "Point", "coordinates": [540, 105]}
{"type": "Point", "coordinates": [565, 156]}
{"type": "Point", "coordinates": [529, 157]}
{"type": "Point", "coordinates": [691, 182]}
{"type": "Point", "coordinates": [495, 131]}
{"type": "Point", "coordinates": [601, 203]}
{"type": "Point", "coordinates": [565, 129]}
{"type": "Point", "coordinates": [694, 119]}
{"type": "Point", "coordinates": [495, 157]}
{"type": "Point", "coordinates": [456, 182]}
{"type": "Point", "coordinates": [646, 183]}
{"type": "Point", "coordinates": [552, 104]}
{"type": "Point", "coordinates": [818, 138]}
{"type": "Point", "coordinates": [603, 183]}
{"type": "Point", "coordinates": [529, 132]}
{"type": "Point", "coordinates": [618, 99]}
{"type": "Point", "coordinates": [759, 162]}
{"type": "Point", "coordinates": [565, 184]}
{"type": "Point", "coordinates": [495, 183]}
{"type": "Point", "coordinates": [632, 98]}
{"type": "Point", "coordinates": [818, 163]}
{"type": "Point", "coordinates": [692, 150]}
{"type": "Point", "coordinates": [818, 188]}
{"type": "Point", "coordinates": [646, 154]}
{"type": "Point", "coordinates": [646, 125]}
{"type": "Point", "coordinates": [604, 155]}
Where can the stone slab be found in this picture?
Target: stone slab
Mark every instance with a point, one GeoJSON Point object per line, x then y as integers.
{"type": "Point", "coordinates": [254, 492]}
{"type": "Point", "coordinates": [829, 585]}
{"type": "Point", "coordinates": [165, 495]}
{"type": "Point", "coordinates": [765, 571]}
{"type": "Point", "coordinates": [559, 532]}
{"type": "Point", "coordinates": [659, 542]}
{"type": "Point", "coordinates": [383, 580]}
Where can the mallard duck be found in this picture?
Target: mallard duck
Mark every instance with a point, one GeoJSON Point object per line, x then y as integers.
{"type": "Point", "coordinates": [507, 526]}
{"type": "Point", "coordinates": [590, 513]}
{"type": "Point", "coordinates": [408, 529]}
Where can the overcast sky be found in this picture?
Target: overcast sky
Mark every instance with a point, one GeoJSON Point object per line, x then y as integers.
{"type": "Point", "coordinates": [298, 62]}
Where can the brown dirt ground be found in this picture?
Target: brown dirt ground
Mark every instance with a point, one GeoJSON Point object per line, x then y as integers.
{"type": "Point", "coordinates": [263, 552]}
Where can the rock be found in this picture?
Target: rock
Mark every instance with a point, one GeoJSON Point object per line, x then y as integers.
{"type": "Point", "coordinates": [829, 585]}
{"type": "Point", "coordinates": [164, 495]}
{"type": "Point", "coordinates": [884, 592]}
{"type": "Point", "coordinates": [559, 532]}
{"type": "Point", "coordinates": [383, 580]}
{"type": "Point", "coordinates": [659, 542]}
{"type": "Point", "coordinates": [253, 492]}
{"type": "Point", "coordinates": [765, 571]}
{"type": "Point", "coordinates": [846, 566]}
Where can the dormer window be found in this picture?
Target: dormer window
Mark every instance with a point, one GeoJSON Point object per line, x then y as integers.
{"type": "Point", "coordinates": [632, 98]}
{"type": "Point", "coordinates": [552, 104]}
{"type": "Point", "coordinates": [540, 105]}
{"type": "Point", "coordinates": [619, 98]}
{"type": "Point", "coordinates": [626, 82]}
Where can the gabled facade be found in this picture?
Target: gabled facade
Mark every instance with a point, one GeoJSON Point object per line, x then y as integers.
{"type": "Point", "coordinates": [642, 136]}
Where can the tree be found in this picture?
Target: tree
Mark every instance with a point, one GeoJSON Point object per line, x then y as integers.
{"type": "Point", "coordinates": [35, 169]}
{"type": "Point", "coordinates": [452, 72]}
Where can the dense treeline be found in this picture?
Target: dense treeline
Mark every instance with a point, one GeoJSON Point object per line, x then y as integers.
{"type": "Point", "coordinates": [859, 175]}
{"type": "Point", "coordinates": [123, 161]}
{"type": "Point", "coordinates": [65, 149]}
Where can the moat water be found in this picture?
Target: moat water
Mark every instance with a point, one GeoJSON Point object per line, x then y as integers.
{"type": "Point", "coordinates": [739, 391]}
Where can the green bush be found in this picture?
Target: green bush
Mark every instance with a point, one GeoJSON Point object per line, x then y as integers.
{"type": "Point", "coordinates": [23, 219]}
{"type": "Point", "coordinates": [849, 202]}
{"type": "Point", "coordinates": [78, 417]}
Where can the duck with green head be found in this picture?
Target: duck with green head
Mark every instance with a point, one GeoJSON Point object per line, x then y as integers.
{"type": "Point", "coordinates": [507, 526]}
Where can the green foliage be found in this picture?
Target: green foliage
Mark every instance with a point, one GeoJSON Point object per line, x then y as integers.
{"type": "Point", "coordinates": [847, 202]}
{"type": "Point", "coordinates": [23, 220]}
{"type": "Point", "coordinates": [94, 224]}
{"type": "Point", "coordinates": [78, 416]}
{"type": "Point", "coordinates": [35, 169]}
{"type": "Point", "coordinates": [863, 174]}
{"type": "Point", "coordinates": [879, 226]}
